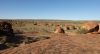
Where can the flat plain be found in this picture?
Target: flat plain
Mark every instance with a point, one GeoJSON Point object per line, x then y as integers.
{"type": "Point", "coordinates": [40, 37]}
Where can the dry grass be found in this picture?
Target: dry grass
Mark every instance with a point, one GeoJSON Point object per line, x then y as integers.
{"type": "Point", "coordinates": [61, 44]}
{"type": "Point", "coordinates": [52, 43]}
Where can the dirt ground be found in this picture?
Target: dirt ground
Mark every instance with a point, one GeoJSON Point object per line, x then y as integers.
{"type": "Point", "coordinates": [67, 43]}
{"type": "Point", "coordinates": [60, 44]}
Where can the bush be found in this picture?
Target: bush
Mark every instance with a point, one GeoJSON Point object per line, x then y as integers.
{"type": "Point", "coordinates": [28, 40]}
{"type": "Point", "coordinates": [18, 32]}
{"type": "Point", "coordinates": [82, 31]}
{"type": "Point", "coordinates": [11, 44]}
{"type": "Point", "coordinates": [2, 39]}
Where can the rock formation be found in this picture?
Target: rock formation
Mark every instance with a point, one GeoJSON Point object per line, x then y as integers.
{"type": "Point", "coordinates": [59, 30]}
{"type": "Point", "coordinates": [91, 27]}
{"type": "Point", "coordinates": [6, 30]}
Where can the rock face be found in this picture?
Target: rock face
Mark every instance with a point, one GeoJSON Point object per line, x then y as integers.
{"type": "Point", "coordinates": [91, 26]}
{"type": "Point", "coordinates": [99, 28]}
{"type": "Point", "coordinates": [59, 30]}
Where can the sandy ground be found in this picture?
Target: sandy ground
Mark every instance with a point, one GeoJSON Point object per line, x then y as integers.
{"type": "Point", "coordinates": [60, 44]}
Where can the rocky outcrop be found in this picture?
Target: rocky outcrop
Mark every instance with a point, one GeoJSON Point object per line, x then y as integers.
{"type": "Point", "coordinates": [6, 30]}
{"type": "Point", "coordinates": [99, 28]}
{"type": "Point", "coordinates": [91, 27]}
{"type": "Point", "coordinates": [59, 30]}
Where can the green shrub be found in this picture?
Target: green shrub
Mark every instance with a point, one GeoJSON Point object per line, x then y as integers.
{"type": "Point", "coordinates": [82, 31]}
{"type": "Point", "coordinates": [28, 40]}
{"type": "Point", "coordinates": [2, 39]}
{"type": "Point", "coordinates": [18, 31]}
{"type": "Point", "coordinates": [11, 44]}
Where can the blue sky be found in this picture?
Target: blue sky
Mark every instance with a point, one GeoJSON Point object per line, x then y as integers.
{"type": "Point", "coordinates": [50, 9]}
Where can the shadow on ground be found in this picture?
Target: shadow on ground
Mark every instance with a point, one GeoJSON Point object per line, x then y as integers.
{"type": "Point", "coordinates": [16, 40]}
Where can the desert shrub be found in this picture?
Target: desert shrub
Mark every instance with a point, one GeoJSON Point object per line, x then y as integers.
{"type": "Point", "coordinates": [45, 30]}
{"type": "Point", "coordinates": [11, 45]}
{"type": "Point", "coordinates": [5, 42]}
{"type": "Point", "coordinates": [13, 41]}
{"type": "Point", "coordinates": [28, 40]}
{"type": "Point", "coordinates": [2, 39]}
{"type": "Point", "coordinates": [18, 31]}
{"type": "Point", "coordinates": [82, 31]}
{"type": "Point", "coordinates": [42, 37]}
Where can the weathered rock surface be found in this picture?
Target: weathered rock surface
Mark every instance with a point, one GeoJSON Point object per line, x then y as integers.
{"type": "Point", "coordinates": [91, 26]}
{"type": "Point", "coordinates": [59, 30]}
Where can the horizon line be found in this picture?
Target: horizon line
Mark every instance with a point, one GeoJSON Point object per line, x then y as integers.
{"type": "Point", "coordinates": [53, 19]}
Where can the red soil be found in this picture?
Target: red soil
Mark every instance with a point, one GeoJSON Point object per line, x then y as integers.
{"type": "Point", "coordinates": [61, 44]}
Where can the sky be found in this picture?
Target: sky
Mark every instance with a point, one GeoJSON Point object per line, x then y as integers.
{"type": "Point", "coordinates": [50, 9]}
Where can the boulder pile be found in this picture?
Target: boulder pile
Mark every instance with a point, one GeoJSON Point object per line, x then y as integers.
{"type": "Point", "coordinates": [91, 27]}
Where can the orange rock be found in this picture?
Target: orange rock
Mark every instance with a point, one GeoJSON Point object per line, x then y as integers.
{"type": "Point", "coordinates": [91, 26]}
{"type": "Point", "coordinates": [59, 30]}
{"type": "Point", "coordinates": [99, 28]}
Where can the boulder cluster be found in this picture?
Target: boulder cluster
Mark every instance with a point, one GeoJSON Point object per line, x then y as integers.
{"type": "Point", "coordinates": [6, 30]}
{"type": "Point", "coordinates": [91, 27]}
